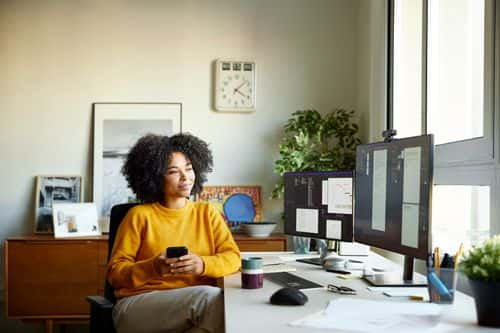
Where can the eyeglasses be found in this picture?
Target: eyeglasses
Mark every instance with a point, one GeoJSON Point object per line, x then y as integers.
{"type": "Point", "coordinates": [341, 290]}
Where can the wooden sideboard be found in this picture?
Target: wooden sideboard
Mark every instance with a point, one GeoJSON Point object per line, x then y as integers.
{"type": "Point", "coordinates": [275, 242]}
{"type": "Point", "coordinates": [48, 279]}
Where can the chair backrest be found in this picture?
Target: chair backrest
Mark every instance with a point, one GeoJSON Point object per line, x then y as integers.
{"type": "Point", "coordinates": [118, 212]}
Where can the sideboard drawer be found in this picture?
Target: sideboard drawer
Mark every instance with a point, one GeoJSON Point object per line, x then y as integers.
{"type": "Point", "coordinates": [251, 244]}
{"type": "Point", "coordinates": [50, 277]}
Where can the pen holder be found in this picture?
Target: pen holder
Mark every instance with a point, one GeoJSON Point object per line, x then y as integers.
{"type": "Point", "coordinates": [441, 284]}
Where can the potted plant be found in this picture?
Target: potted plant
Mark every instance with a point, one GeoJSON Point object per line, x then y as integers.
{"type": "Point", "coordinates": [482, 268]}
{"type": "Point", "coordinates": [312, 142]}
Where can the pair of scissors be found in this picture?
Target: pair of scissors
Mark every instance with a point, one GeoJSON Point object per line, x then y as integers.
{"type": "Point", "coordinates": [341, 290]}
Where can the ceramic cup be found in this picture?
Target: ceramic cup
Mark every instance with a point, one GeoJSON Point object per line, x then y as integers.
{"type": "Point", "coordinates": [252, 274]}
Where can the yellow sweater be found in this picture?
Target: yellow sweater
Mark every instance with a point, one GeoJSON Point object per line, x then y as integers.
{"type": "Point", "coordinates": [149, 229]}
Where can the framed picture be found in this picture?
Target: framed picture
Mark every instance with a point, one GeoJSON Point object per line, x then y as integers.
{"type": "Point", "coordinates": [237, 204]}
{"type": "Point", "coordinates": [117, 126]}
{"type": "Point", "coordinates": [75, 220]}
{"type": "Point", "coordinates": [51, 190]}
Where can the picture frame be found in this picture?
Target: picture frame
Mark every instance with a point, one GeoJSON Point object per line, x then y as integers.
{"type": "Point", "coordinates": [219, 194]}
{"type": "Point", "coordinates": [54, 189]}
{"type": "Point", "coordinates": [117, 127]}
{"type": "Point", "coordinates": [75, 220]}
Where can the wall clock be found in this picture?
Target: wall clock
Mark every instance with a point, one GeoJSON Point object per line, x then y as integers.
{"type": "Point", "coordinates": [235, 86]}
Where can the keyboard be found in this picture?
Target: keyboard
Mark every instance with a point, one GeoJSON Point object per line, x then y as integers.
{"type": "Point", "coordinates": [286, 279]}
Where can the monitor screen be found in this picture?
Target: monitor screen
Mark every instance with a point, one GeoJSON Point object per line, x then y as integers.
{"type": "Point", "coordinates": [318, 204]}
{"type": "Point", "coordinates": [393, 195]}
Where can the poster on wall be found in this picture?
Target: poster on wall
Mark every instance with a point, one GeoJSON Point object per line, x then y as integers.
{"type": "Point", "coordinates": [237, 204]}
{"type": "Point", "coordinates": [117, 126]}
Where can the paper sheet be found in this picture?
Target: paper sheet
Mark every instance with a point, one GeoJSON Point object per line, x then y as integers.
{"type": "Point", "coordinates": [324, 192]}
{"type": "Point", "coordinates": [409, 225]}
{"type": "Point", "coordinates": [401, 292]}
{"type": "Point", "coordinates": [411, 178]}
{"type": "Point", "coordinates": [333, 229]}
{"type": "Point", "coordinates": [340, 195]}
{"type": "Point", "coordinates": [306, 220]}
{"type": "Point", "coordinates": [379, 190]}
{"type": "Point", "coordinates": [363, 315]}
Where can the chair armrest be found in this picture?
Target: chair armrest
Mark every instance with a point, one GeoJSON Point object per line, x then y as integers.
{"type": "Point", "coordinates": [99, 301]}
{"type": "Point", "coordinates": [101, 315]}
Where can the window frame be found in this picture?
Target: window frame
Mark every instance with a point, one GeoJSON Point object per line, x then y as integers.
{"type": "Point", "coordinates": [473, 150]}
{"type": "Point", "coordinates": [473, 161]}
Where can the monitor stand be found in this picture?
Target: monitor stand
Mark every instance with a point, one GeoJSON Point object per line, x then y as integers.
{"type": "Point", "coordinates": [323, 253]}
{"type": "Point", "coordinates": [390, 280]}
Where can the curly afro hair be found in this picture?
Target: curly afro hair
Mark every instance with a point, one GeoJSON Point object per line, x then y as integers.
{"type": "Point", "coordinates": [147, 162]}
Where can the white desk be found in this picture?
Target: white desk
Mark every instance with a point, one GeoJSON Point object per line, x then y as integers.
{"type": "Point", "coordinates": [249, 310]}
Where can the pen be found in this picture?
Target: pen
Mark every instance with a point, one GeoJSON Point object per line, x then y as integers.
{"type": "Point", "coordinates": [430, 260]}
{"type": "Point", "coordinates": [446, 262]}
{"type": "Point", "coordinates": [440, 287]}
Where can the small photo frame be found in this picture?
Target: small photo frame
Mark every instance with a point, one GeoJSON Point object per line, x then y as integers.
{"type": "Point", "coordinates": [75, 220]}
{"type": "Point", "coordinates": [54, 189]}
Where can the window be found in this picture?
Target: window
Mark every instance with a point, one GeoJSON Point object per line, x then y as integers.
{"type": "Point", "coordinates": [460, 213]}
{"type": "Point", "coordinates": [456, 52]}
{"type": "Point", "coordinates": [442, 74]}
{"type": "Point", "coordinates": [407, 68]}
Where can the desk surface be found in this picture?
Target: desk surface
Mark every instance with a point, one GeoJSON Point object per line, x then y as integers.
{"type": "Point", "coordinates": [250, 311]}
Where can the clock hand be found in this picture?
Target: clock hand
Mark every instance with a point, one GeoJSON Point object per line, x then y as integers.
{"type": "Point", "coordinates": [239, 92]}
{"type": "Point", "coordinates": [237, 89]}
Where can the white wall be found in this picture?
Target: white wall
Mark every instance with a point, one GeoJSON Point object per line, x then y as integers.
{"type": "Point", "coordinates": [59, 57]}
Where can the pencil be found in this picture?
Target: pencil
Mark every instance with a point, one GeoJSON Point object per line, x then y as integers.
{"type": "Point", "coordinates": [437, 259]}
{"type": "Point", "coordinates": [458, 255]}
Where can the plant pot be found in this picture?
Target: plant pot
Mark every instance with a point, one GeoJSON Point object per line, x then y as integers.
{"type": "Point", "coordinates": [487, 302]}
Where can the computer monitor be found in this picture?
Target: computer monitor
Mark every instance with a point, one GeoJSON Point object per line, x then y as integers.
{"type": "Point", "coordinates": [318, 204]}
{"type": "Point", "coordinates": [393, 201]}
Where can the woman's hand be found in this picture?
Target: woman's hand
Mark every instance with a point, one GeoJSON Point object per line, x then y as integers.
{"type": "Point", "coordinates": [188, 264]}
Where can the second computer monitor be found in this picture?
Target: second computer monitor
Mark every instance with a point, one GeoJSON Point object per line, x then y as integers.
{"type": "Point", "coordinates": [393, 195]}
{"type": "Point", "coordinates": [318, 204]}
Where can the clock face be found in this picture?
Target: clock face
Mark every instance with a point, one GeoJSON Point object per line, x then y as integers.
{"type": "Point", "coordinates": [235, 86]}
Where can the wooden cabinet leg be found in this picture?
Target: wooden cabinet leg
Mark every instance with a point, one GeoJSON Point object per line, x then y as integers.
{"type": "Point", "coordinates": [49, 325]}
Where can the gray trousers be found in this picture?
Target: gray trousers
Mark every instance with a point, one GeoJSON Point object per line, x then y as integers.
{"type": "Point", "coordinates": [190, 309]}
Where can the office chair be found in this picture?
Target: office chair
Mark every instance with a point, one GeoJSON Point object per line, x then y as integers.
{"type": "Point", "coordinates": [101, 308]}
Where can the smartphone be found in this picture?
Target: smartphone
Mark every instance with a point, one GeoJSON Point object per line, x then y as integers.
{"type": "Point", "coordinates": [176, 251]}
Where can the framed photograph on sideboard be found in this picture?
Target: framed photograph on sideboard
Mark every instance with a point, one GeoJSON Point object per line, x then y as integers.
{"type": "Point", "coordinates": [117, 126]}
{"type": "Point", "coordinates": [75, 220]}
{"type": "Point", "coordinates": [54, 189]}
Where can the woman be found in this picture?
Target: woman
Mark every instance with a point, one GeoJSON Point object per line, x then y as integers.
{"type": "Point", "coordinates": [155, 293]}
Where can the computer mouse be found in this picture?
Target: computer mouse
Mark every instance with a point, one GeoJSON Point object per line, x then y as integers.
{"type": "Point", "coordinates": [288, 296]}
